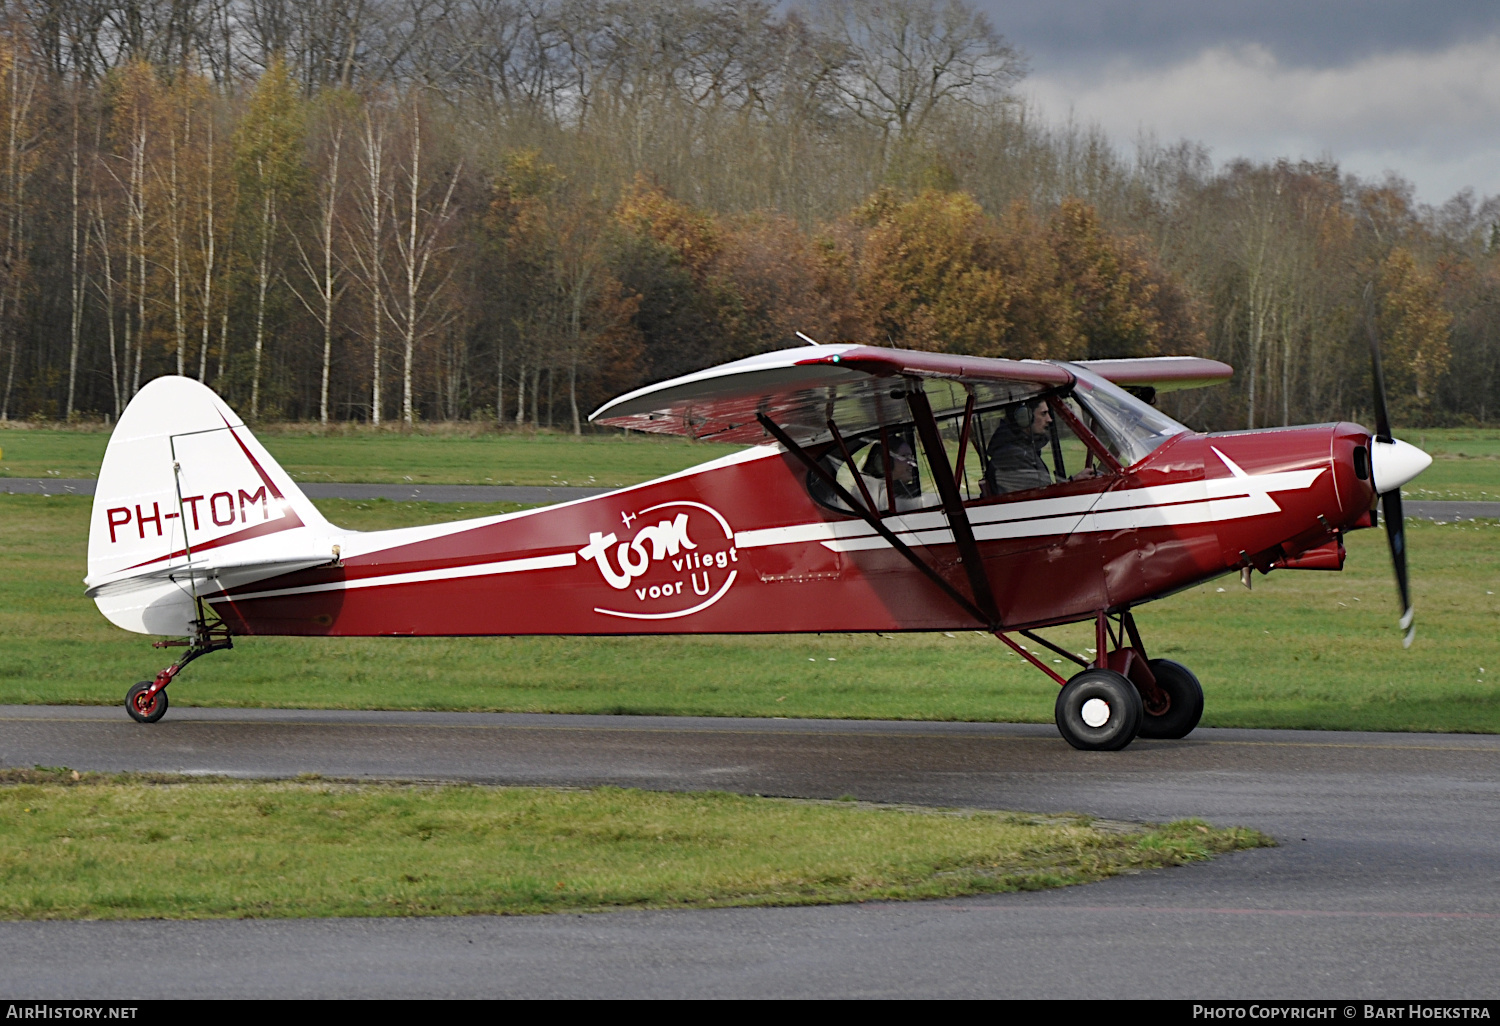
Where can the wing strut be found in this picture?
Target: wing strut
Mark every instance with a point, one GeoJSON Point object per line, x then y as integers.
{"type": "Point", "coordinates": [875, 522]}
{"type": "Point", "coordinates": [953, 503]}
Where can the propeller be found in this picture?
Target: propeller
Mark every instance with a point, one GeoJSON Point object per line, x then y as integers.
{"type": "Point", "coordinates": [1394, 462]}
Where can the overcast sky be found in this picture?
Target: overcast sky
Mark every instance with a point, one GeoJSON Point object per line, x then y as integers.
{"type": "Point", "coordinates": [1379, 85]}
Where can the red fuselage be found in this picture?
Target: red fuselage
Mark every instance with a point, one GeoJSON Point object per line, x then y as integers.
{"type": "Point", "coordinates": [740, 546]}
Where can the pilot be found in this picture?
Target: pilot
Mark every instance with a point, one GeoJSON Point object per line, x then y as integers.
{"type": "Point", "coordinates": [1015, 451]}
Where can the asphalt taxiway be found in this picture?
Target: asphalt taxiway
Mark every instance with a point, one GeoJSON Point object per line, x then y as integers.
{"type": "Point", "coordinates": [1386, 881]}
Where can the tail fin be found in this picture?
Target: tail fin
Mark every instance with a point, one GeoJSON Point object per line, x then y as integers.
{"type": "Point", "coordinates": [188, 503]}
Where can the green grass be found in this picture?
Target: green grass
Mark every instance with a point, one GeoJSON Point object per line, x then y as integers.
{"type": "Point", "coordinates": [1466, 461]}
{"type": "Point", "coordinates": [394, 457]}
{"type": "Point", "coordinates": [1465, 464]}
{"type": "Point", "coordinates": [1303, 650]}
{"type": "Point", "coordinates": [133, 847]}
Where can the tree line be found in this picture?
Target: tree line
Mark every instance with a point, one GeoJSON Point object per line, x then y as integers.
{"type": "Point", "coordinates": [509, 210]}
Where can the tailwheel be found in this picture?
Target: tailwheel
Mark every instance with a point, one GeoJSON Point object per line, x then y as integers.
{"type": "Point", "coordinates": [146, 702]}
{"type": "Point", "coordinates": [143, 705]}
{"type": "Point", "coordinates": [1099, 711]}
{"type": "Point", "coordinates": [1177, 703]}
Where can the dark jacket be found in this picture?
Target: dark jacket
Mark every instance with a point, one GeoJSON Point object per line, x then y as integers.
{"type": "Point", "coordinates": [1015, 461]}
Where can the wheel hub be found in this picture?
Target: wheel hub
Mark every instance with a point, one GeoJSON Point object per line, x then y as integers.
{"type": "Point", "coordinates": [1095, 712]}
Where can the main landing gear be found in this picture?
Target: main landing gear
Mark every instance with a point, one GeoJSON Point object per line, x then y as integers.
{"type": "Point", "coordinates": [146, 702]}
{"type": "Point", "coordinates": [1122, 695]}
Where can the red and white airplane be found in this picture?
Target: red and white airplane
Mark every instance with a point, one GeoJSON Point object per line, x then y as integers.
{"type": "Point", "coordinates": [884, 490]}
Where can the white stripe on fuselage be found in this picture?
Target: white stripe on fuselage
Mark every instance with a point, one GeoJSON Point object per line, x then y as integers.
{"type": "Point", "coordinates": [1193, 502]}
{"type": "Point", "coordinates": [509, 566]}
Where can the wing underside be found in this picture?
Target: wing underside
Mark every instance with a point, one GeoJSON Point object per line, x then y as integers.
{"type": "Point", "coordinates": [860, 388]}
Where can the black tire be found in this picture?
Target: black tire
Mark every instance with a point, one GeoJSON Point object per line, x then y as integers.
{"type": "Point", "coordinates": [1120, 705]}
{"type": "Point", "coordinates": [1184, 702]}
{"type": "Point", "coordinates": [136, 703]}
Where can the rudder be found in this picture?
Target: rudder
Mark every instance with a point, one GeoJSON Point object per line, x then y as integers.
{"type": "Point", "coordinates": [189, 502]}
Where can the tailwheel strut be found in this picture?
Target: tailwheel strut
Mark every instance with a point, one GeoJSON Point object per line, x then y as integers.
{"type": "Point", "coordinates": [146, 701]}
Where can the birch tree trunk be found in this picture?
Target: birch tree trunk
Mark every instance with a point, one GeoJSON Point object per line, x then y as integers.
{"type": "Point", "coordinates": [369, 252]}
{"type": "Point", "coordinates": [209, 243]}
{"type": "Point", "coordinates": [75, 319]}
{"type": "Point", "coordinates": [175, 213]}
{"type": "Point", "coordinates": [20, 92]}
{"type": "Point", "coordinates": [521, 393]}
{"type": "Point", "coordinates": [138, 251]}
{"type": "Point", "coordinates": [321, 270]}
{"type": "Point", "coordinates": [262, 280]}
{"type": "Point", "coordinates": [500, 379]}
{"type": "Point", "coordinates": [409, 342]}
{"type": "Point", "coordinates": [573, 394]}
{"type": "Point", "coordinates": [418, 242]}
{"type": "Point", "coordinates": [106, 260]}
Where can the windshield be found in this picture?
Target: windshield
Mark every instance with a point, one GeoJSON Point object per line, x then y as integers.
{"type": "Point", "coordinates": [1130, 429]}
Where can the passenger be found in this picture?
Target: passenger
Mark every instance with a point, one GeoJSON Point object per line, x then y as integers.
{"type": "Point", "coordinates": [905, 483]}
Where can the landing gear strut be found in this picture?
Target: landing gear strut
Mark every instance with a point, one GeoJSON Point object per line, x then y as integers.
{"type": "Point", "coordinates": [1120, 694]}
{"type": "Point", "coordinates": [146, 702]}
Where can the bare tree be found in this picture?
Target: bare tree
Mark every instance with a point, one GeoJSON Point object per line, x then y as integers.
{"type": "Point", "coordinates": [213, 223]}
{"type": "Point", "coordinates": [904, 61]}
{"type": "Point", "coordinates": [323, 272]}
{"type": "Point", "coordinates": [421, 222]}
{"type": "Point", "coordinates": [368, 240]}
{"type": "Point", "coordinates": [270, 165]}
{"type": "Point", "coordinates": [99, 228]}
{"type": "Point", "coordinates": [18, 92]}
{"type": "Point", "coordinates": [75, 256]}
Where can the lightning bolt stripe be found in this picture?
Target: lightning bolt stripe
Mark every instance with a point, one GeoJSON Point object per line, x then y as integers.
{"type": "Point", "coordinates": [1212, 500]}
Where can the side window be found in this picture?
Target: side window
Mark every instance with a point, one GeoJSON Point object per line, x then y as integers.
{"type": "Point", "coordinates": [886, 468]}
{"type": "Point", "coordinates": [1013, 449]}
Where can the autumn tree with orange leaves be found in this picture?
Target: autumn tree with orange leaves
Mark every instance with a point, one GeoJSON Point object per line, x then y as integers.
{"type": "Point", "coordinates": [1414, 329]}
{"type": "Point", "coordinates": [520, 210]}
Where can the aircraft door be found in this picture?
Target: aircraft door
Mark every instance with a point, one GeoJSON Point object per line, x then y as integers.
{"type": "Point", "coordinates": [1037, 482]}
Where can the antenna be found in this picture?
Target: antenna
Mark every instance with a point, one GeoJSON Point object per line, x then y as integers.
{"type": "Point", "coordinates": [808, 339]}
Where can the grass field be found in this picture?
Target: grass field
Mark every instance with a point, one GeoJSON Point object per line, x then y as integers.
{"type": "Point", "coordinates": [1303, 650]}
{"type": "Point", "coordinates": [1466, 461]}
{"type": "Point", "coordinates": [132, 847]}
{"type": "Point", "coordinates": [393, 457]}
{"type": "Point", "coordinates": [1465, 465]}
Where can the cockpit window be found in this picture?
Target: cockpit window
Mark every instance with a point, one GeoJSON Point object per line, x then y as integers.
{"type": "Point", "coordinates": [1129, 428]}
{"type": "Point", "coordinates": [1009, 449]}
{"type": "Point", "coordinates": [1003, 449]}
{"type": "Point", "coordinates": [885, 468]}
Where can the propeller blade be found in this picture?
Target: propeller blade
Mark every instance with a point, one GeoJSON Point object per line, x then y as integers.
{"type": "Point", "coordinates": [1377, 379]}
{"type": "Point", "coordinates": [1395, 533]}
{"type": "Point", "coordinates": [1390, 501]}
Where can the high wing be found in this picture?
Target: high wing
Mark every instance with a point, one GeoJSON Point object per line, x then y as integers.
{"type": "Point", "coordinates": [803, 389]}
{"type": "Point", "coordinates": [1163, 373]}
